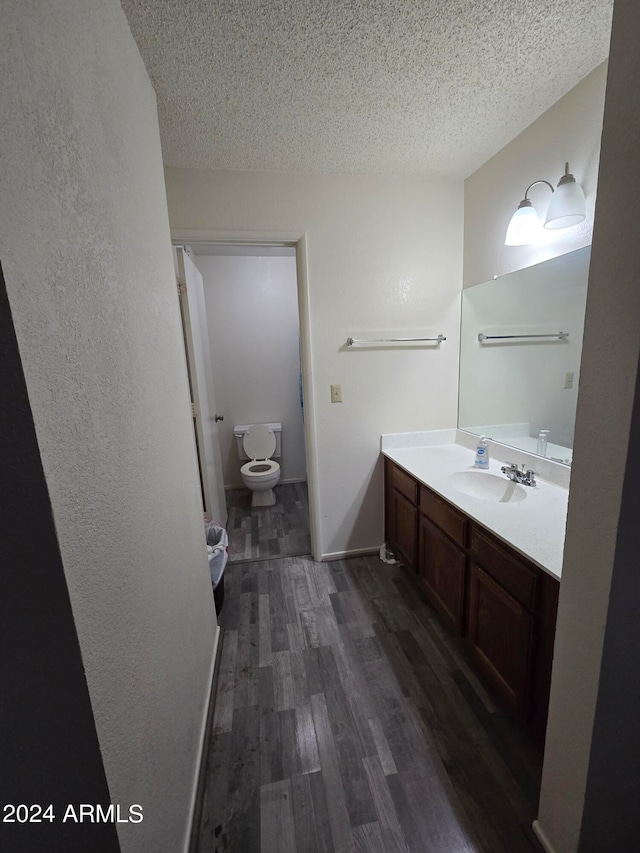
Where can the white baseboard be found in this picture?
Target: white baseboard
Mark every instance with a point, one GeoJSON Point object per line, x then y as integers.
{"type": "Point", "coordinates": [344, 555]}
{"type": "Point", "coordinates": [201, 741]}
{"type": "Point", "coordinates": [542, 838]}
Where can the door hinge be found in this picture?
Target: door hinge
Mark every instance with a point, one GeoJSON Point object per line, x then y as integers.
{"type": "Point", "coordinates": [182, 287]}
{"type": "Point", "coordinates": [194, 411]}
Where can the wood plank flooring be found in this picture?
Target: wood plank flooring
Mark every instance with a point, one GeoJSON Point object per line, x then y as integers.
{"type": "Point", "coordinates": [347, 719]}
{"type": "Point", "coordinates": [264, 533]}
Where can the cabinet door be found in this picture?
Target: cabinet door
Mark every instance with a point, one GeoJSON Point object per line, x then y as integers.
{"type": "Point", "coordinates": [501, 638]}
{"type": "Point", "coordinates": [543, 660]}
{"type": "Point", "coordinates": [441, 569]}
{"type": "Point", "coordinates": [404, 527]}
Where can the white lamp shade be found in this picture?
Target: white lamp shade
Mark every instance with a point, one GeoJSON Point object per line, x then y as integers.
{"type": "Point", "coordinates": [567, 206]}
{"type": "Point", "coordinates": [523, 228]}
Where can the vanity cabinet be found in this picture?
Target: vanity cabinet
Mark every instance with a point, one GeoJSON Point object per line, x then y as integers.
{"type": "Point", "coordinates": [502, 600]}
{"type": "Point", "coordinates": [401, 514]}
{"type": "Point", "coordinates": [441, 556]}
{"type": "Point", "coordinates": [501, 604]}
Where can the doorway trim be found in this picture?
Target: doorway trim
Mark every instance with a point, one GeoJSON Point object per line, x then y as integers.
{"type": "Point", "coordinates": [297, 239]}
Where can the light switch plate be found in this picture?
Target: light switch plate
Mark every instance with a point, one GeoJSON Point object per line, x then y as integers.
{"type": "Point", "coordinates": [336, 393]}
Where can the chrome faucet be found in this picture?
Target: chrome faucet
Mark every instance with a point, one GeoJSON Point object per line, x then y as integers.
{"type": "Point", "coordinates": [527, 478]}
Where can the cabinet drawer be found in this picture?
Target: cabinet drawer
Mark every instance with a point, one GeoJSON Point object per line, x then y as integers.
{"type": "Point", "coordinates": [405, 484]}
{"type": "Point", "coordinates": [518, 579]}
{"type": "Point", "coordinates": [447, 518]}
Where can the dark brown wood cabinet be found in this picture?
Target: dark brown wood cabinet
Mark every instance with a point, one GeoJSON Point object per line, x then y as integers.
{"type": "Point", "coordinates": [546, 616]}
{"type": "Point", "coordinates": [401, 514]}
{"type": "Point", "coordinates": [405, 517]}
{"type": "Point", "coordinates": [503, 594]}
{"type": "Point", "coordinates": [442, 572]}
{"type": "Point", "coordinates": [500, 637]}
{"type": "Point", "coordinates": [502, 604]}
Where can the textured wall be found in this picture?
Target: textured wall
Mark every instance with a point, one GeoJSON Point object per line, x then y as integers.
{"type": "Point", "coordinates": [85, 247]}
{"type": "Point", "coordinates": [569, 130]}
{"type": "Point", "coordinates": [48, 730]}
{"type": "Point", "coordinates": [254, 331]}
{"type": "Point", "coordinates": [599, 539]}
{"type": "Point", "coordinates": [384, 256]}
{"type": "Point", "coordinates": [572, 129]}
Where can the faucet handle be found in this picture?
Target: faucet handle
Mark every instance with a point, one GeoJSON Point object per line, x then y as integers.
{"type": "Point", "coordinates": [511, 471]}
{"type": "Point", "coordinates": [530, 477]}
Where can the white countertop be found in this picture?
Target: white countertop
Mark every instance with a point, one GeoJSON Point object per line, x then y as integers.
{"type": "Point", "coordinates": [534, 526]}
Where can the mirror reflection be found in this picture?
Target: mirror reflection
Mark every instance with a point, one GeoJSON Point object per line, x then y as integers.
{"type": "Point", "coordinates": [520, 348]}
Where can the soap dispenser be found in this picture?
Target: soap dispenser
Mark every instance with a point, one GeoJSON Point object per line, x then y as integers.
{"type": "Point", "coordinates": [482, 453]}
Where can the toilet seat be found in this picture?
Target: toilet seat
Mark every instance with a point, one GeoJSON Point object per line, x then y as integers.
{"type": "Point", "coordinates": [259, 469]}
{"type": "Point", "coordinates": [260, 474]}
{"type": "Point", "coordinates": [259, 442]}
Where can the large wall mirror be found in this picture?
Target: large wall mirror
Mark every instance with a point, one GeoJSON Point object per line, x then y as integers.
{"type": "Point", "coordinates": [520, 348]}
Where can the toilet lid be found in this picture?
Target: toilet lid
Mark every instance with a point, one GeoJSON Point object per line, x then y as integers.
{"type": "Point", "coordinates": [259, 442]}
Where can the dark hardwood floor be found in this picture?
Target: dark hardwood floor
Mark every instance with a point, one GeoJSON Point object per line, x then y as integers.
{"type": "Point", "coordinates": [263, 533]}
{"type": "Point", "coordinates": [347, 719]}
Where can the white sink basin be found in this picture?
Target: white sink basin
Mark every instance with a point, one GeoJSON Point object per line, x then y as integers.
{"type": "Point", "coordinates": [487, 487]}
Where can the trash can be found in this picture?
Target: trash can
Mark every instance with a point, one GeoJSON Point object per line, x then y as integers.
{"type": "Point", "coordinates": [218, 552]}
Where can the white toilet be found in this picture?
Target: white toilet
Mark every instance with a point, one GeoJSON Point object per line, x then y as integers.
{"type": "Point", "coordinates": [259, 443]}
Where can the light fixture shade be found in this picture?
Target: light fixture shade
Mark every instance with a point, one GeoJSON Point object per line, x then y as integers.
{"type": "Point", "coordinates": [523, 228]}
{"type": "Point", "coordinates": [567, 206]}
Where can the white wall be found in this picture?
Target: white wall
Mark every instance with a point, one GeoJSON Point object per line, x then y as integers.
{"type": "Point", "coordinates": [254, 332]}
{"type": "Point", "coordinates": [85, 246]}
{"type": "Point", "coordinates": [608, 380]}
{"type": "Point", "coordinates": [569, 130]}
{"type": "Point", "coordinates": [384, 256]}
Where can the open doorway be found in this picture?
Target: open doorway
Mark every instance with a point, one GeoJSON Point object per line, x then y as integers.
{"type": "Point", "coordinates": [256, 341]}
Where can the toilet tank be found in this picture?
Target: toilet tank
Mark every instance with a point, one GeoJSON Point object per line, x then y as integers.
{"type": "Point", "coordinates": [240, 430]}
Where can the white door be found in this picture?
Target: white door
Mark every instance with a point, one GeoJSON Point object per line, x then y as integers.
{"type": "Point", "coordinates": [196, 334]}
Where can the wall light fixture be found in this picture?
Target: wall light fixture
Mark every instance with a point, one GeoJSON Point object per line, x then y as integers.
{"type": "Point", "coordinates": [566, 208]}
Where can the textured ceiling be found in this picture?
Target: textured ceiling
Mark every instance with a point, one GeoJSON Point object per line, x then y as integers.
{"type": "Point", "coordinates": [359, 86]}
